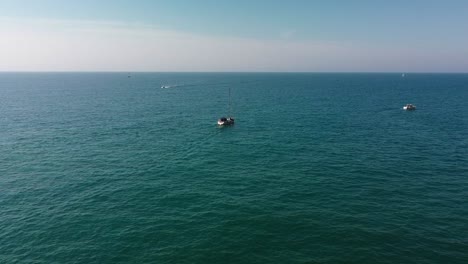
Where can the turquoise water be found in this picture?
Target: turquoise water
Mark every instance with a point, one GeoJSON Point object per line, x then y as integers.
{"type": "Point", "coordinates": [319, 168]}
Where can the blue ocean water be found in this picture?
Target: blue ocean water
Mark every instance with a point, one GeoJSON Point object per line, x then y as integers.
{"type": "Point", "coordinates": [319, 168]}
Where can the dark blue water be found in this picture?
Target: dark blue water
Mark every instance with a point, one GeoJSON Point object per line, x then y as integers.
{"type": "Point", "coordinates": [319, 168]}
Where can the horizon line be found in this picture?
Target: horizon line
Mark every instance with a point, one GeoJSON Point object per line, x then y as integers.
{"type": "Point", "coordinates": [318, 72]}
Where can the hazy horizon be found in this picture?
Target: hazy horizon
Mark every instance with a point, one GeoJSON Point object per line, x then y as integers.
{"type": "Point", "coordinates": [265, 36]}
{"type": "Point", "coordinates": [240, 72]}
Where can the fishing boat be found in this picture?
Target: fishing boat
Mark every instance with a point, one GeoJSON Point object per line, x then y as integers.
{"type": "Point", "coordinates": [227, 121]}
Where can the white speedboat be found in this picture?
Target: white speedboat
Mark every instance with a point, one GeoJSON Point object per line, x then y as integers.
{"type": "Point", "coordinates": [409, 107]}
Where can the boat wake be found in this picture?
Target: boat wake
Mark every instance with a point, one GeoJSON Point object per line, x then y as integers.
{"type": "Point", "coordinates": [193, 85]}
{"type": "Point", "coordinates": [175, 85]}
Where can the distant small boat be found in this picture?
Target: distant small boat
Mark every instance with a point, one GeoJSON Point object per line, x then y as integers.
{"type": "Point", "coordinates": [403, 75]}
{"type": "Point", "coordinates": [227, 121]}
{"type": "Point", "coordinates": [409, 107]}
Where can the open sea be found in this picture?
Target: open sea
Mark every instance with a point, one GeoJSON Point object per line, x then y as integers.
{"type": "Point", "coordinates": [319, 168]}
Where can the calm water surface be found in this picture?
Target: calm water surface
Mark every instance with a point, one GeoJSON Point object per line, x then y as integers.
{"type": "Point", "coordinates": [319, 168]}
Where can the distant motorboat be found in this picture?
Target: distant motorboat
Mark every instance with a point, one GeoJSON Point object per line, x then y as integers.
{"type": "Point", "coordinates": [409, 107]}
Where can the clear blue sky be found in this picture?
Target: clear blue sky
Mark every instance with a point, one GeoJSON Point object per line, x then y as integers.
{"type": "Point", "coordinates": [436, 30]}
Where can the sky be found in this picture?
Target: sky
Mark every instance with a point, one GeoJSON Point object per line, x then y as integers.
{"type": "Point", "coordinates": [241, 35]}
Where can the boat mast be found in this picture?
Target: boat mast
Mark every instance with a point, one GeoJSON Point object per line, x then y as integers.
{"type": "Point", "coordinates": [229, 102]}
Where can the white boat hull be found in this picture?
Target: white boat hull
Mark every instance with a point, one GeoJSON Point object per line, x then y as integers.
{"type": "Point", "coordinates": [227, 122]}
{"type": "Point", "coordinates": [409, 108]}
